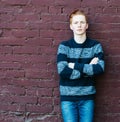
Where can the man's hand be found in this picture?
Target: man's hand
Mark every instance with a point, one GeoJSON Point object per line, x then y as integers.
{"type": "Point", "coordinates": [94, 61]}
{"type": "Point", "coordinates": [71, 65]}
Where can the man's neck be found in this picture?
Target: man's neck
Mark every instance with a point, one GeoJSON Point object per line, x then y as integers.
{"type": "Point", "coordinates": [80, 38]}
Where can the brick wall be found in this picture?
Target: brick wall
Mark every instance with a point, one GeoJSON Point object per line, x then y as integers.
{"type": "Point", "coordinates": [30, 31]}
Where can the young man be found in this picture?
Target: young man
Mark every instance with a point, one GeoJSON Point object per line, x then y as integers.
{"type": "Point", "coordinates": [78, 61]}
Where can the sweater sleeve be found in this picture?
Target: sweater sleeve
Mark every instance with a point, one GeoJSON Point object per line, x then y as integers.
{"type": "Point", "coordinates": [95, 69]}
{"type": "Point", "coordinates": [62, 64]}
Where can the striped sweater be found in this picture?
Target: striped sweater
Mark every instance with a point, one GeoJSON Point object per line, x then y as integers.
{"type": "Point", "coordinates": [78, 83]}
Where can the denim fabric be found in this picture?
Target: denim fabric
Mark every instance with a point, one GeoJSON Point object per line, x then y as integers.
{"type": "Point", "coordinates": [80, 111]}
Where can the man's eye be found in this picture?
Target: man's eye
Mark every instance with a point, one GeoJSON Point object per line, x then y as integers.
{"type": "Point", "coordinates": [83, 22]}
{"type": "Point", "coordinates": [75, 22]}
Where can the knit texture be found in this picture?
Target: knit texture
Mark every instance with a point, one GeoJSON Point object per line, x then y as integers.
{"type": "Point", "coordinates": [78, 83]}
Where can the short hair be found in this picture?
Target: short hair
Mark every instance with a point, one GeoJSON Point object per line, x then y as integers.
{"type": "Point", "coordinates": [77, 12]}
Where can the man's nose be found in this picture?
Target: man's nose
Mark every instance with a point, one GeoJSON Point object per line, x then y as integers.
{"type": "Point", "coordinates": [79, 24]}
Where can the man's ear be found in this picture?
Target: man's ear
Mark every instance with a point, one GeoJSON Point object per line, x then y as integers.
{"type": "Point", "coordinates": [87, 26]}
{"type": "Point", "coordinates": [71, 27]}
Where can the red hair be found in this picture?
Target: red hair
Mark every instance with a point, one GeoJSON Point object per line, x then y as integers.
{"type": "Point", "coordinates": [77, 12]}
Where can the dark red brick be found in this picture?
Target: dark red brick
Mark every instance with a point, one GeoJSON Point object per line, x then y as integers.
{"type": "Point", "coordinates": [30, 32]}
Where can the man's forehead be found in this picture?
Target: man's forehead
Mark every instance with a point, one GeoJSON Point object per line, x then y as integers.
{"type": "Point", "coordinates": [78, 17]}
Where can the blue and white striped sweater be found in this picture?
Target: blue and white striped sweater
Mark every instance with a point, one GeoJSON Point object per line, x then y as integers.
{"type": "Point", "coordinates": [78, 82]}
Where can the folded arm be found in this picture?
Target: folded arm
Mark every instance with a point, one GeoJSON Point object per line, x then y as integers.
{"type": "Point", "coordinates": [64, 68]}
{"type": "Point", "coordinates": [96, 65]}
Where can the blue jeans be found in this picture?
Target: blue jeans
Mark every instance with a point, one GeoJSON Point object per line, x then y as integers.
{"type": "Point", "coordinates": [80, 111]}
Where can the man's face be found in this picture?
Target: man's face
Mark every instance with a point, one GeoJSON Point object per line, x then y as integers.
{"type": "Point", "coordinates": [79, 25]}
